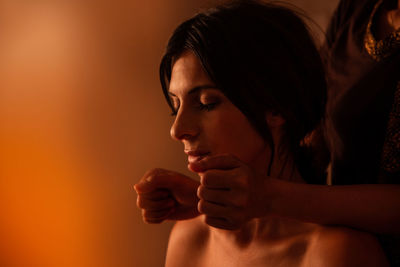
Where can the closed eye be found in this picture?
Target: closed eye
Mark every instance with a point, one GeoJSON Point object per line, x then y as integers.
{"type": "Point", "coordinates": [208, 107]}
{"type": "Point", "coordinates": [174, 104]}
{"type": "Point", "coordinates": [175, 109]}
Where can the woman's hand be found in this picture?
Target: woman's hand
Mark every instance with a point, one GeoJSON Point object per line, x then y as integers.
{"type": "Point", "coordinates": [230, 192]}
{"type": "Point", "coordinates": [166, 195]}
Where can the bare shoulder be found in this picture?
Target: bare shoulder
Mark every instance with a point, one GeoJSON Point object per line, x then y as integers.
{"type": "Point", "coordinates": [187, 242]}
{"type": "Point", "coordinates": [342, 247]}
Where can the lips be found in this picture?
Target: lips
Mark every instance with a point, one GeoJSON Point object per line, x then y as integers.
{"type": "Point", "coordinates": [196, 155]}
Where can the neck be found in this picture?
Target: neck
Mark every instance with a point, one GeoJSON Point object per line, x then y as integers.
{"type": "Point", "coordinates": [284, 168]}
{"type": "Point", "coordinates": [243, 236]}
{"type": "Point", "coordinates": [283, 165]}
{"type": "Point", "coordinates": [269, 228]}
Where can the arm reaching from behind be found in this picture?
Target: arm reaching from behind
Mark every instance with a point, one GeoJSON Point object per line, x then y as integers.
{"type": "Point", "coordinates": [231, 193]}
{"type": "Point", "coordinates": [166, 195]}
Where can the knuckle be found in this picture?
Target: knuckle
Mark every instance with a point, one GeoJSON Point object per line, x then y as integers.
{"type": "Point", "coordinates": [156, 172]}
{"type": "Point", "coordinates": [146, 214]}
{"type": "Point", "coordinates": [149, 175]}
{"type": "Point", "coordinates": [205, 179]}
{"type": "Point", "coordinates": [200, 191]}
{"type": "Point", "coordinates": [139, 202]}
{"type": "Point", "coordinates": [201, 206]}
{"type": "Point", "coordinates": [154, 214]}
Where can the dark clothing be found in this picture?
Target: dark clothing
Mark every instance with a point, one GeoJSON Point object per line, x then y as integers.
{"type": "Point", "coordinates": [360, 97]}
{"type": "Point", "coordinates": [364, 143]}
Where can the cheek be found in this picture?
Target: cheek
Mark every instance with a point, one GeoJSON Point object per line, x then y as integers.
{"type": "Point", "coordinates": [232, 133]}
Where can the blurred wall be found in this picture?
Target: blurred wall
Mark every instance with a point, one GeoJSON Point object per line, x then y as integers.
{"type": "Point", "coordinates": [82, 118]}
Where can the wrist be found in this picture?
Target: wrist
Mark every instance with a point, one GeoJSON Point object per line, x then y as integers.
{"type": "Point", "coordinates": [272, 199]}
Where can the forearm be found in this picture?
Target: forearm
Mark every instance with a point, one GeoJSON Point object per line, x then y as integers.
{"type": "Point", "coordinates": [374, 208]}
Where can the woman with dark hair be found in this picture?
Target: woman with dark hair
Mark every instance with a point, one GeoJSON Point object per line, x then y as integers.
{"type": "Point", "coordinates": [247, 87]}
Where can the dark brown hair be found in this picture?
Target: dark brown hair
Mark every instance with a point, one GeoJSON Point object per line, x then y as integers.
{"type": "Point", "coordinates": [262, 57]}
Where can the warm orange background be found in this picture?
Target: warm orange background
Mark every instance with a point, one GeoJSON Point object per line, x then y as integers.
{"type": "Point", "coordinates": [82, 117]}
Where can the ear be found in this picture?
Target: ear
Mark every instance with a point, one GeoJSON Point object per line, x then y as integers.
{"type": "Point", "coordinates": [274, 120]}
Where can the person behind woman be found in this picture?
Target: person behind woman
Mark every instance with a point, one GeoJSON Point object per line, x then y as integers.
{"type": "Point", "coordinates": [247, 87]}
{"type": "Point", "coordinates": [363, 113]}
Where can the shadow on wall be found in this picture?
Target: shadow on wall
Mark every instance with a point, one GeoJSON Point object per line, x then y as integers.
{"type": "Point", "coordinates": [83, 118]}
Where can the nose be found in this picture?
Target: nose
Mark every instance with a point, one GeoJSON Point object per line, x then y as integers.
{"type": "Point", "coordinates": [185, 126]}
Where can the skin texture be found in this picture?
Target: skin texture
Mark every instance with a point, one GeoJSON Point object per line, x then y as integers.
{"type": "Point", "coordinates": [258, 195]}
{"type": "Point", "coordinates": [232, 172]}
{"type": "Point", "coordinates": [239, 166]}
{"type": "Point", "coordinates": [280, 242]}
{"type": "Point", "coordinates": [206, 120]}
{"type": "Point", "coordinates": [164, 194]}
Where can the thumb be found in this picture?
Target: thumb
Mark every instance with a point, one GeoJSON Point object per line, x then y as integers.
{"type": "Point", "coordinates": [217, 162]}
{"type": "Point", "coordinates": [143, 187]}
{"type": "Point", "coordinates": [157, 179]}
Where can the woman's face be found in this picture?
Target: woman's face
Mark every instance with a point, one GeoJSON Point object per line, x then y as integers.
{"type": "Point", "coordinates": [207, 123]}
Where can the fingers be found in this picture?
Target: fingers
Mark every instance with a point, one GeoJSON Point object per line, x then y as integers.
{"type": "Point", "coordinates": [225, 180]}
{"type": "Point", "coordinates": [164, 194]}
{"type": "Point", "coordinates": [221, 197]}
{"type": "Point", "coordinates": [220, 223]}
{"type": "Point", "coordinates": [218, 179]}
{"type": "Point", "coordinates": [154, 205]}
{"type": "Point", "coordinates": [222, 162]}
{"type": "Point", "coordinates": [226, 209]}
{"type": "Point", "coordinates": [156, 216]}
{"type": "Point", "coordinates": [210, 209]}
{"type": "Point", "coordinates": [219, 216]}
{"type": "Point", "coordinates": [155, 211]}
{"type": "Point", "coordinates": [226, 194]}
{"type": "Point", "coordinates": [159, 194]}
{"type": "Point", "coordinates": [156, 179]}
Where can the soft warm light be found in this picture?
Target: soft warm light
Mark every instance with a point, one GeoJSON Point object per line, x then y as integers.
{"type": "Point", "coordinates": [82, 118]}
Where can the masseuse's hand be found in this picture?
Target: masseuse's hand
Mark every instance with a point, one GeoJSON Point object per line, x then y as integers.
{"type": "Point", "coordinates": [230, 192]}
{"type": "Point", "coordinates": [166, 195]}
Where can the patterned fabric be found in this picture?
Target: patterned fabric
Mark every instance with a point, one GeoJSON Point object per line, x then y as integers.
{"type": "Point", "coordinates": [362, 108]}
{"type": "Point", "coordinates": [379, 50]}
{"type": "Point", "coordinates": [390, 161]}
{"type": "Point", "coordinates": [391, 148]}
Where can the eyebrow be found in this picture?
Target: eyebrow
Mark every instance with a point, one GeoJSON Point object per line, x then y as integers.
{"type": "Point", "coordinates": [197, 88]}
